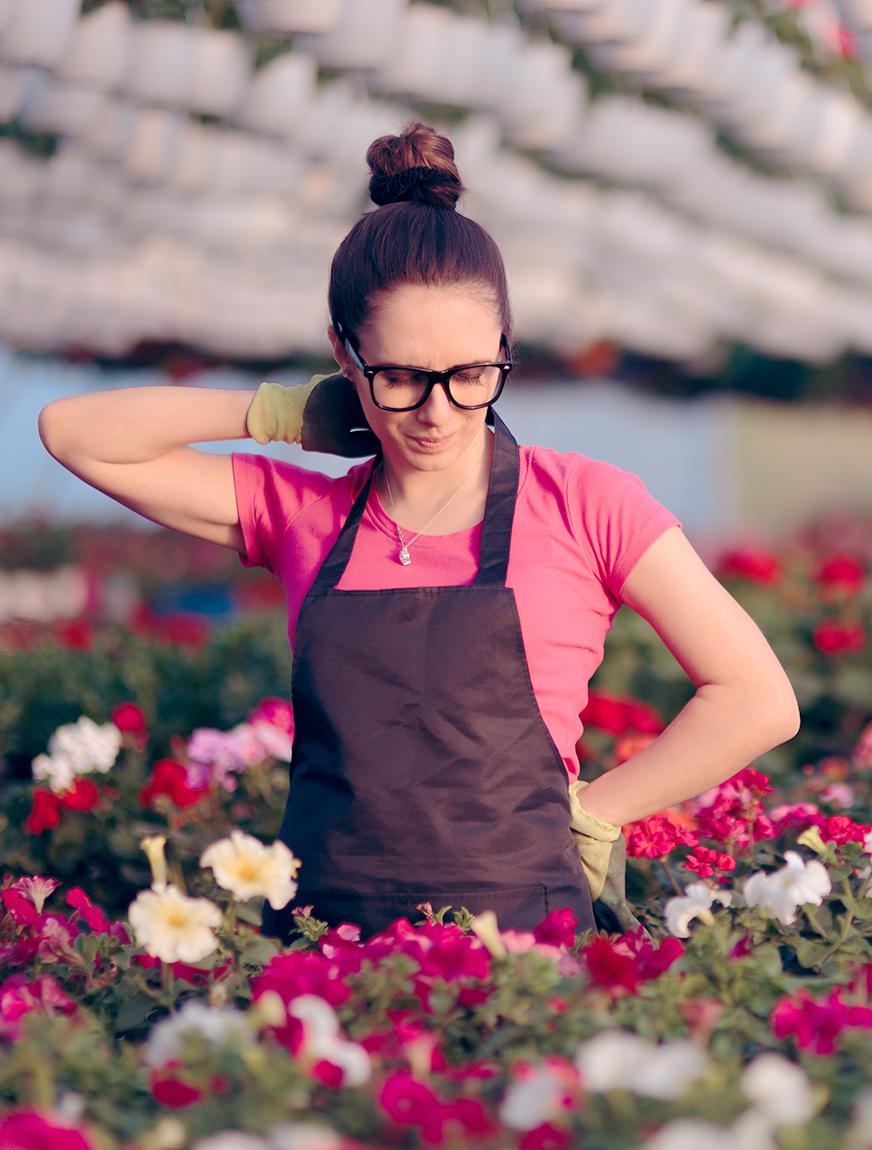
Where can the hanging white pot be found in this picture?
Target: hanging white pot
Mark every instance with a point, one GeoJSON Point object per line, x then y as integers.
{"type": "Point", "coordinates": [66, 109]}
{"type": "Point", "coordinates": [287, 17]}
{"type": "Point", "coordinates": [161, 62]}
{"type": "Point", "coordinates": [153, 144]}
{"type": "Point", "coordinates": [14, 84]}
{"type": "Point", "coordinates": [547, 98]}
{"type": "Point", "coordinates": [220, 73]}
{"type": "Point", "coordinates": [111, 127]}
{"type": "Point", "coordinates": [38, 31]}
{"type": "Point", "coordinates": [280, 94]}
{"type": "Point", "coordinates": [99, 48]}
{"type": "Point", "coordinates": [414, 66]}
{"type": "Point", "coordinates": [362, 36]}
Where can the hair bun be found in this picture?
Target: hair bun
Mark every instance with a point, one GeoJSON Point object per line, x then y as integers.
{"type": "Point", "coordinates": [417, 165]}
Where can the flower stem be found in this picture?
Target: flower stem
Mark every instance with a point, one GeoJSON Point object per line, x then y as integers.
{"type": "Point", "coordinates": [167, 981]}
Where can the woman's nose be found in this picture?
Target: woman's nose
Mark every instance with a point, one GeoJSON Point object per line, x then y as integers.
{"type": "Point", "coordinates": [438, 406]}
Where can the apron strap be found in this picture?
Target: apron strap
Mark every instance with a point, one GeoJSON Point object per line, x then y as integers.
{"type": "Point", "coordinates": [496, 532]}
{"type": "Point", "coordinates": [499, 511]}
{"type": "Point", "coordinates": [334, 565]}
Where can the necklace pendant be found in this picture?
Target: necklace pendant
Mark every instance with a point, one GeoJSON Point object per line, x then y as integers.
{"type": "Point", "coordinates": [405, 557]}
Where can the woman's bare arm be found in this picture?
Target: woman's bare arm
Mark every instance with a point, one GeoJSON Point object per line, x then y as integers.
{"type": "Point", "coordinates": [132, 444]}
{"type": "Point", "coordinates": [744, 703]}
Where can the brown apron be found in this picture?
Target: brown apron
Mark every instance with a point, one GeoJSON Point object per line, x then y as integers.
{"type": "Point", "coordinates": [422, 770]}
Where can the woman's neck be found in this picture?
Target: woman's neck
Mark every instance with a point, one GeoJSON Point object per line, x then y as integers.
{"type": "Point", "coordinates": [419, 500]}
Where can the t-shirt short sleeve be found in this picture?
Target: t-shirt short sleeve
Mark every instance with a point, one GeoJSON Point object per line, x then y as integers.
{"type": "Point", "coordinates": [270, 494]}
{"type": "Point", "coordinates": [621, 519]}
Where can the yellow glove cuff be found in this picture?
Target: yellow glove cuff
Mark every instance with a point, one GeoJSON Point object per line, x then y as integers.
{"type": "Point", "coordinates": [276, 412]}
{"type": "Point", "coordinates": [584, 822]}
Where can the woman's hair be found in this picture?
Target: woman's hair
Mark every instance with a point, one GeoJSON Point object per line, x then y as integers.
{"type": "Point", "coordinates": [415, 236]}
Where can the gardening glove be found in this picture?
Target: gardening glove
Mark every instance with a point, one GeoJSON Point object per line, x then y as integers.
{"type": "Point", "coordinates": [321, 415]}
{"type": "Point", "coordinates": [602, 849]}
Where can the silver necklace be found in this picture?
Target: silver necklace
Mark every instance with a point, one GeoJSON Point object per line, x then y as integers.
{"type": "Point", "coordinates": [404, 556]}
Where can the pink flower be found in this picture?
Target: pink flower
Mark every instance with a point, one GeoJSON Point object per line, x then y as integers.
{"type": "Point", "coordinates": [275, 711]}
{"type": "Point", "coordinates": [861, 756]}
{"type": "Point", "coordinates": [834, 638]}
{"type": "Point", "coordinates": [408, 1102]}
{"type": "Point", "coordinates": [817, 1025]}
{"type": "Point", "coordinates": [841, 571]}
{"type": "Point", "coordinates": [27, 1130]}
{"type": "Point", "coordinates": [557, 928]}
{"type": "Point", "coordinates": [19, 996]}
{"type": "Point", "coordinates": [757, 565]}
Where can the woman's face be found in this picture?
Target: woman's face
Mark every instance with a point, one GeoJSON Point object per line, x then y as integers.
{"type": "Point", "coordinates": [430, 327]}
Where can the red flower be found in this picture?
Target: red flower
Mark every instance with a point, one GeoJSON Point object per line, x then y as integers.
{"type": "Point", "coordinates": [30, 1131]}
{"type": "Point", "coordinates": [617, 715]}
{"type": "Point", "coordinates": [170, 1090]}
{"type": "Point", "coordinates": [817, 1025]}
{"type": "Point", "coordinates": [843, 572]}
{"type": "Point", "coordinates": [195, 975]}
{"type": "Point", "coordinates": [833, 638]}
{"type": "Point", "coordinates": [83, 795]}
{"type": "Point", "coordinates": [657, 836]}
{"type": "Point", "coordinates": [130, 721]}
{"type": "Point", "coordinates": [77, 634]}
{"type": "Point", "coordinates": [704, 862]}
{"type": "Point", "coordinates": [620, 964]}
{"type": "Point", "coordinates": [45, 814]}
{"type": "Point", "coordinates": [169, 778]}
{"type": "Point", "coordinates": [92, 915]}
{"type": "Point", "coordinates": [757, 565]}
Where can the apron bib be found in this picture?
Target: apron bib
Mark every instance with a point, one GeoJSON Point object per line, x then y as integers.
{"type": "Point", "coordinates": [422, 770]}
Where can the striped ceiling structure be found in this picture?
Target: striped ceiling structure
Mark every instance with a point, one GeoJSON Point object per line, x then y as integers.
{"type": "Point", "coordinates": [174, 180]}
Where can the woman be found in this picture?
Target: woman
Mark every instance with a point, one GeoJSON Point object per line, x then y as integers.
{"type": "Point", "coordinates": [447, 600]}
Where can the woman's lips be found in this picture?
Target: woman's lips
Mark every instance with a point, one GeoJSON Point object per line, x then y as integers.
{"type": "Point", "coordinates": [427, 443]}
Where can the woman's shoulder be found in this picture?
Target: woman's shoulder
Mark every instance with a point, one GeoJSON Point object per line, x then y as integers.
{"type": "Point", "coordinates": [569, 469]}
{"type": "Point", "coordinates": [294, 483]}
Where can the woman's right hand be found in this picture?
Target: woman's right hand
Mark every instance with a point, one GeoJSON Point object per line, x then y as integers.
{"type": "Point", "coordinates": [322, 415]}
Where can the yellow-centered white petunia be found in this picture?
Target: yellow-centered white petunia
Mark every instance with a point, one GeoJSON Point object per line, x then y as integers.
{"type": "Point", "coordinates": [248, 868]}
{"type": "Point", "coordinates": [173, 927]}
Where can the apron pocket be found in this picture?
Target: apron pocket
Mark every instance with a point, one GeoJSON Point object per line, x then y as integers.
{"type": "Point", "coordinates": [517, 908]}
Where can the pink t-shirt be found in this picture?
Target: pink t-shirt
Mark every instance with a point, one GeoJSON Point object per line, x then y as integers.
{"type": "Point", "coordinates": [580, 526]}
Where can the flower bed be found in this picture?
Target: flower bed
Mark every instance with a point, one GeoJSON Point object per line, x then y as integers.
{"type": "Point", "coordinates": [156, 1015]}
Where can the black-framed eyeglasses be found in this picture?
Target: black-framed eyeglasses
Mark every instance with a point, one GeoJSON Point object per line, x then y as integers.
{"type": "Point", "coordinates": [400, 387]}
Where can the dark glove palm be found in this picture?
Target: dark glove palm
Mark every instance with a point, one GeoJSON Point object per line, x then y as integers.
{"type": "Point", "coordinates": [333, 420]}
{"type": "Point", "coordinates": [611, 910]}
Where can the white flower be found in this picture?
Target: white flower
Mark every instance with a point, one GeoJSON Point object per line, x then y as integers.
{"type": "Point", "coordinates": [746, 1133]}
{"type": "Point", "coordinates": [218, 1026]}
{"type": "Point", "coordinates": [535, 1098]}
{"type": "Point", "coordinates": [779, 1089]}
{"type": "Point", "coordinates": [77, 749]}
{"type": "Point", "coordinates": [785, 890]}
{"type": "Point", "coordinates": [277, 742]}
{"type": "Point", "coordinates": [88, 746]}
{"type": "Point", "coordinates": [620, 1060]}
{"type": "Point", "coordinates": [323, 1040]}
{"type": "Point", "coordinates": [696, 902]}
{"type": "Point", "coordinates": [867, 843]}
{"type": "Point", "coordinates": [246, 867]}
{"type": "Point", "coordinates": [304, 1136]}
{"type": "Point", "coordinates": [231, 1140]}
{"type": "Point", "coordinates": [173, 927]}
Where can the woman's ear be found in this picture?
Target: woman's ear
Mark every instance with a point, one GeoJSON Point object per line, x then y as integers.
{"type": "Point", "coordinates": [340, 354]}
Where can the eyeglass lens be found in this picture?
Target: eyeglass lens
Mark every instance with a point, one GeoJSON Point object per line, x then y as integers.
{"type": "Point", "coordinates": [398, 387]}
